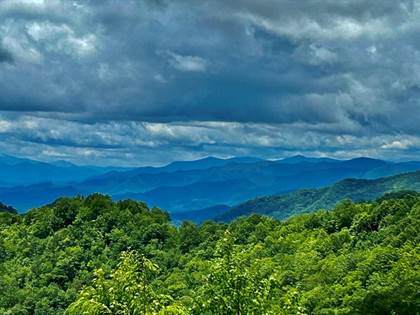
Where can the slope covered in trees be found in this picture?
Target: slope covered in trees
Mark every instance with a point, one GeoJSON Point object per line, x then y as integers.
{"type": "Point", "coordinates": [307, 200]}
{"type": "Point", "coordinates": [94, 256]}
{"type": "Point", "coordinates": [5, 208]}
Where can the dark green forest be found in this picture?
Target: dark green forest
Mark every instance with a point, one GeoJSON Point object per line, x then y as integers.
{"type": "Point", "coordinates": [90, 255]}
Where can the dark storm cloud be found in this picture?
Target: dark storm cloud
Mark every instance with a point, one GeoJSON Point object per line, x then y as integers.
{"type": "Point", "coordinates": [5, 55]}
{"type": "Point", "coordinates": [311, 70]}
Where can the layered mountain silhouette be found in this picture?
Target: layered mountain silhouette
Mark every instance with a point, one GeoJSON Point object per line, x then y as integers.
{"type": "Point", "coordinates": [307, 200]}
{"type": "Point", "coordinates": [184, 186]}
{"type": "Point", "coordinates": [18, 171]}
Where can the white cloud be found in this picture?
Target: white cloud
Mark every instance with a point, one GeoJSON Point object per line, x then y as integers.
{"type": "Point", "coordinates": [398, 144]}
{"type": "Point", "coordinates": [62, 39]}
{"type": "Point", "coordinates": [158, 143]}
{"type": "Point", "coordinates": [187, 63]}
{"type": "Point", "coordinates": [5, 126]}
{"type": "Point", "coordinates": [306, 27]}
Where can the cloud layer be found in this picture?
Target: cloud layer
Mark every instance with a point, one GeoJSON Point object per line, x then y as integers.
{"type": "Point", "coordinates": [125, 81]}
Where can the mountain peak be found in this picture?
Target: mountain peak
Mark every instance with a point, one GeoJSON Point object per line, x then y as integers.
{"type": "Point", "coordinates": [366, 161]}
{"type": "Point", "coordinates": [299, 158]}
{"type": "Point", "coordinates": [365, 158]}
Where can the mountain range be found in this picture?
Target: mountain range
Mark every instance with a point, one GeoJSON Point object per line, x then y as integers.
{"type": "Point", "coordinates": [19, 171]}
{"type": "Point", "coordinates": [307, 200]}
{"type": "Point", "coordinates": [184, 186]}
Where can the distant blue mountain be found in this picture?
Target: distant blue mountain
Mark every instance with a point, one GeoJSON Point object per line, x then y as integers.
{"type": "Point", "coordinates": [194, 196]}
{"type": "Point", "coordinates": [390, 169]}
{"type": "Point", "coordinates": [206, 163]}
{"type": "Point", "coordinates": [187, 185]}
{"type": "Point", "coordinates": [19, 171]}
{"type": "Point", "coordinates": [301, 159]}
{"type": "Point", "coordinates": [201, 164]}
{"type": "Point", "coordinates": [26, 197]}
{"type": "Point", "coordinates": [201, 215]}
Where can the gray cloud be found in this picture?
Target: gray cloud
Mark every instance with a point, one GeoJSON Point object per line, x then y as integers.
{"type": "Point", "coordinates": [5, 55]}
{"type": "Point", "coordinates": [311, 70]}
{"type": "Point", "coordinates": [135, 143]}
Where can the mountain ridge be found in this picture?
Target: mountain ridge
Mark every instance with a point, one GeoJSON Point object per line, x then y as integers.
{"type": "Point", "coordinates": [307, 200]}
{"type": "Point", "coordinates": [16, 171]}
{"type": "Point", "coordinates": [6, 208]}
{"type": "Point", "coordinates": [169, 186]}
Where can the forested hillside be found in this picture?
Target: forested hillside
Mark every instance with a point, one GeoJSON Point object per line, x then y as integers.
{"type": "Point", "coordinates": [306, 200]}
{"type": "Point", "coordinates": [94, 256]}
{"type": "Point", "coordinates": [5, 208]}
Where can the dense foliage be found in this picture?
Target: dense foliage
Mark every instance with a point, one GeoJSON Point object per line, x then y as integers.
{"type": "Point", "coordinates": [93, 256]}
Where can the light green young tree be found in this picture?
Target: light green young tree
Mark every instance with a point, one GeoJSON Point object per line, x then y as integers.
{"type": "Point", "coordinates": [233, 286]}
{"type": "Point", "coordinates": [126, 292]}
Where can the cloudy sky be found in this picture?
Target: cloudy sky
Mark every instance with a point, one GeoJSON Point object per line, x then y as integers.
{"type": "Point", "coordinates": [150, 81]}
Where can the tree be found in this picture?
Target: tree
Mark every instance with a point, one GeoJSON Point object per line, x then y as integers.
{"type": "Point", "coordinates": [233, 286]}
{"type": "Point", "coordinates": [126, 291]}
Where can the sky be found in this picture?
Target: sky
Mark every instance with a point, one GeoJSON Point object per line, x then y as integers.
{"type": "Point", "coordinates": [148, 82]}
